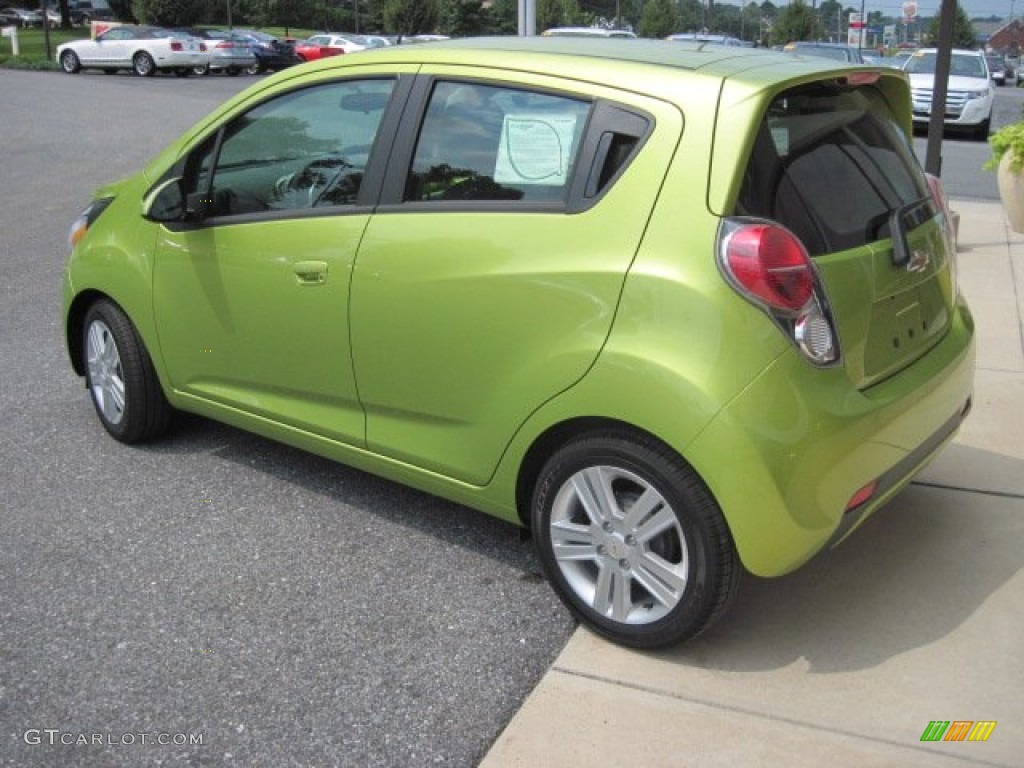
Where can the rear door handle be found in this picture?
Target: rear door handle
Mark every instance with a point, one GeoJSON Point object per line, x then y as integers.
{"type": "Point", "coordinates": [310, 272]}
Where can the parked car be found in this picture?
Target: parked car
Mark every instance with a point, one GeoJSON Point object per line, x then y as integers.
{"type": "Point", "coordinates": [1000, 70]}
{"type": "Point", "coordinates": [701, 37]}
{"type": "Point", "coordinates": [582, 32]}
{"type": "Point", "coordinates": [319, 46]}
{"type": "Point", "coordinates": [228, 52]}
{"type": "Point", "coordinates": [375, 41]}
{"type": "Point", "coordinates": [20, 17]}
{"type": "Point", "coordinates": [501, 271]}
{"type": "Point", "coordinates": [88, 11]}
{"type": "Point", "coordinates": [143, 50]}
{"type": "Point", "coordinates": [838, 51]}
{"type": "Point", "coordinates": [970, 95]}
{"type": "Point", "coordinates": [272, 54]}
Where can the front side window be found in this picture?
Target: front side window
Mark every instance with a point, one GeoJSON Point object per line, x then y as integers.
{"type": "Point", "coordinates": [481, 142]}
{"type": "Point", "coordinates": [305, 150]}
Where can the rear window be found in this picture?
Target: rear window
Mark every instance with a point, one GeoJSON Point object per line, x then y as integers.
{"type": "Point", "coordinates": [831, 164]}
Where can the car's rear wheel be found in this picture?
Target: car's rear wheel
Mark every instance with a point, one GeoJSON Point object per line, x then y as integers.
{"type": "Point", "coordinates": [143, 64]}
{"type": "Point", "coordinates": [120, 376]}
{"type": "Point", "coordinates": [69, 62]}
{"type": "Point", "coordinates": [254, 69]}
{"type": "Point", "coordinates": [632, 540]}
{"type": "Point", "coordinates": [202, 69]}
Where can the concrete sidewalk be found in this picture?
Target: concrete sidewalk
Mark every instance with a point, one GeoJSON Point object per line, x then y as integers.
{"type": "Point", "coordinates": [917, 617]}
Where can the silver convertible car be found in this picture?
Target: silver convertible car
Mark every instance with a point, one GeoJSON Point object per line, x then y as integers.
{"type": "Point", "coordinates": [143, 50]}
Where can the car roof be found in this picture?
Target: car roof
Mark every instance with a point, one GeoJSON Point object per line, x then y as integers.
{"type": "Point", "coordinates": [619, 59]}
{"type": "Point", "coordinates": [640, 65]}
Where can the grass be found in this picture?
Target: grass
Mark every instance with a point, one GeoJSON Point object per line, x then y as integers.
{"type": "Point", "coordinates": [33, 48]}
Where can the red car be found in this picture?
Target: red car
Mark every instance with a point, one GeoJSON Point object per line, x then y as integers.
{"type": "Point", "coordinates": [321, 46]}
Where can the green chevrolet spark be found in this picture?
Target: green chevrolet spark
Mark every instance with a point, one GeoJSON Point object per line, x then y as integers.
{"type": "Point", "coordinates": [680, 311]}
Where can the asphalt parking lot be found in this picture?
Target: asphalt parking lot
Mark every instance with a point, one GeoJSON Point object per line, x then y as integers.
{"type": "Point", "coordinates": [216, 599]}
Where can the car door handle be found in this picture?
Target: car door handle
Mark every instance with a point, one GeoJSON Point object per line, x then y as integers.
{"type": "Point", "coordinates": [310, 272]}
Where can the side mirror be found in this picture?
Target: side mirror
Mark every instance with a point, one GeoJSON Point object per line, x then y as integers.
{"type": "Point", "coordinates": [168, 202]}
{"type": "Point", "coordinates": [165, 202]}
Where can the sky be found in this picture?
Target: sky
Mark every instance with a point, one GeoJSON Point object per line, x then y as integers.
{"type": "Point", "coordinates": [973, 8]}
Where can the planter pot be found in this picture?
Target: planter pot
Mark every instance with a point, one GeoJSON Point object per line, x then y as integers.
{"type": "Point", "coordinates": [1011, 192]}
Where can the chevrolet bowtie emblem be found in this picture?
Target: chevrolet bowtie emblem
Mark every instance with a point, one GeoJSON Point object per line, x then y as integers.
{"type": "Point", "coordinates": [919, 261]}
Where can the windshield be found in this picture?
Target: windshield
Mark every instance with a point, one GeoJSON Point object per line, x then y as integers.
{"type": "Point", "coordinates": [960, 65]}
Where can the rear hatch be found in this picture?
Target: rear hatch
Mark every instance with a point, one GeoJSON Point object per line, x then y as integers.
{"type": "Point", "coordinates": [831, 163]}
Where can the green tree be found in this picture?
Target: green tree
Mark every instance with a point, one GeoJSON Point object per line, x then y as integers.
{"type": "Point", "coordinates": [963, 30]}
{"type": "Point", "coordinates": [122, 9]}
{"type": "Point", "coordinates": [750, 22]}
{"type": "Point", "coordinates": [830, 12]}
{"type": "Point", "coordinates": [504, 17]}
{"type": "Point", "coordinates": [461, 18]}
{"type": "Point", "coordinates": [796, 21]}
{"type": "Point", "coordinates": [169, 13]}
{"type": "Point", "coordinates": [691, 16]}
{"type": "Point", "coordinates": [660, 19]}
{"type": "Point", "coordinates": [558, 13]}
{"type": "Point", "coordinates": [410, 17]}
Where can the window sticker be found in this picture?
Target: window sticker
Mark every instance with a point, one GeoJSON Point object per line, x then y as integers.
{"type": "Point", "coordinates": [535, 149]}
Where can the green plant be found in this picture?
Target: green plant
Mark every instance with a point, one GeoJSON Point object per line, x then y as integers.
{"type": "Point", "coordinates": [1009, 138]}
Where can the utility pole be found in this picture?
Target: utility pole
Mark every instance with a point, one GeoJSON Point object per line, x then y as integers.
{"type": "Point", "coordinates": [527, 18]}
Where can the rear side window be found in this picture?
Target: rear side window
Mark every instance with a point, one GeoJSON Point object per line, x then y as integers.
{"type": "Point", "coordinates": [481, 142]}
{"type": "Point", "coordinates": [830, 163]}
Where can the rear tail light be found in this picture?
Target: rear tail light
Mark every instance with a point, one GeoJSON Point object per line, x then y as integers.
{"type": "Point", "coordinates": [769, 266]}
{"type": "Point", "coordinates": [769, 263]}
{"type": "Point", "coordinates": [939, 196]}
{"type": "Point", "coordinates": [176, 46]}
{"type": "Point", "coordinates": [225, 44]}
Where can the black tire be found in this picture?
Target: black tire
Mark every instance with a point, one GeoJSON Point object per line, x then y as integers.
{"type": "Point", "coordinates": [202, 70]}
{"type": "Point", "coordinates": [122, 382]}
{"type": "Point", "coordinates": [143, 64]}
{"type": "Point", "coordinates": [70, 63]}
{"type": "Point", "coordinates": [981, 132]}
{"type": "Point", "coordinates": [646, 583]}
{"type": "Point", "coordinates": [254, 69]}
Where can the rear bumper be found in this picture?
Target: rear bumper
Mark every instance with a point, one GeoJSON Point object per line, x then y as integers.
{"type": "Point", "coordinates": [218, 63]}
{"type": "Point", "coordinates": [785, 458]}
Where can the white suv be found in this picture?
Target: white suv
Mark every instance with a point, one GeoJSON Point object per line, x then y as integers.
{"type": "Point", "coordinates": [969, 90]}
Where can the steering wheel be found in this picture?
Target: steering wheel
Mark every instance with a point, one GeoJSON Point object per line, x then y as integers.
{"type": "Point", "coordinates": [315, 179]}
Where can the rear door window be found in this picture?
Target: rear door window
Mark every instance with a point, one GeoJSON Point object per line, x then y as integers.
{"type": "Point", "coordinates": [483, 142]}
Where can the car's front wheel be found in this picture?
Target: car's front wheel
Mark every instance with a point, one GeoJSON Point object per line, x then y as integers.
{"type": "Point", "coordinates": [143, 64]}
{"type": "Point", "coordinates": [254, 69]}
{"type": "Point", "coordinates": [981, 132]}
{"type": "Point", "coordinates": [632, 541]}
{"type": "Point", "coordinates": [120, 376]}
{"type": "Point", "coordinates": [69, 62]}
